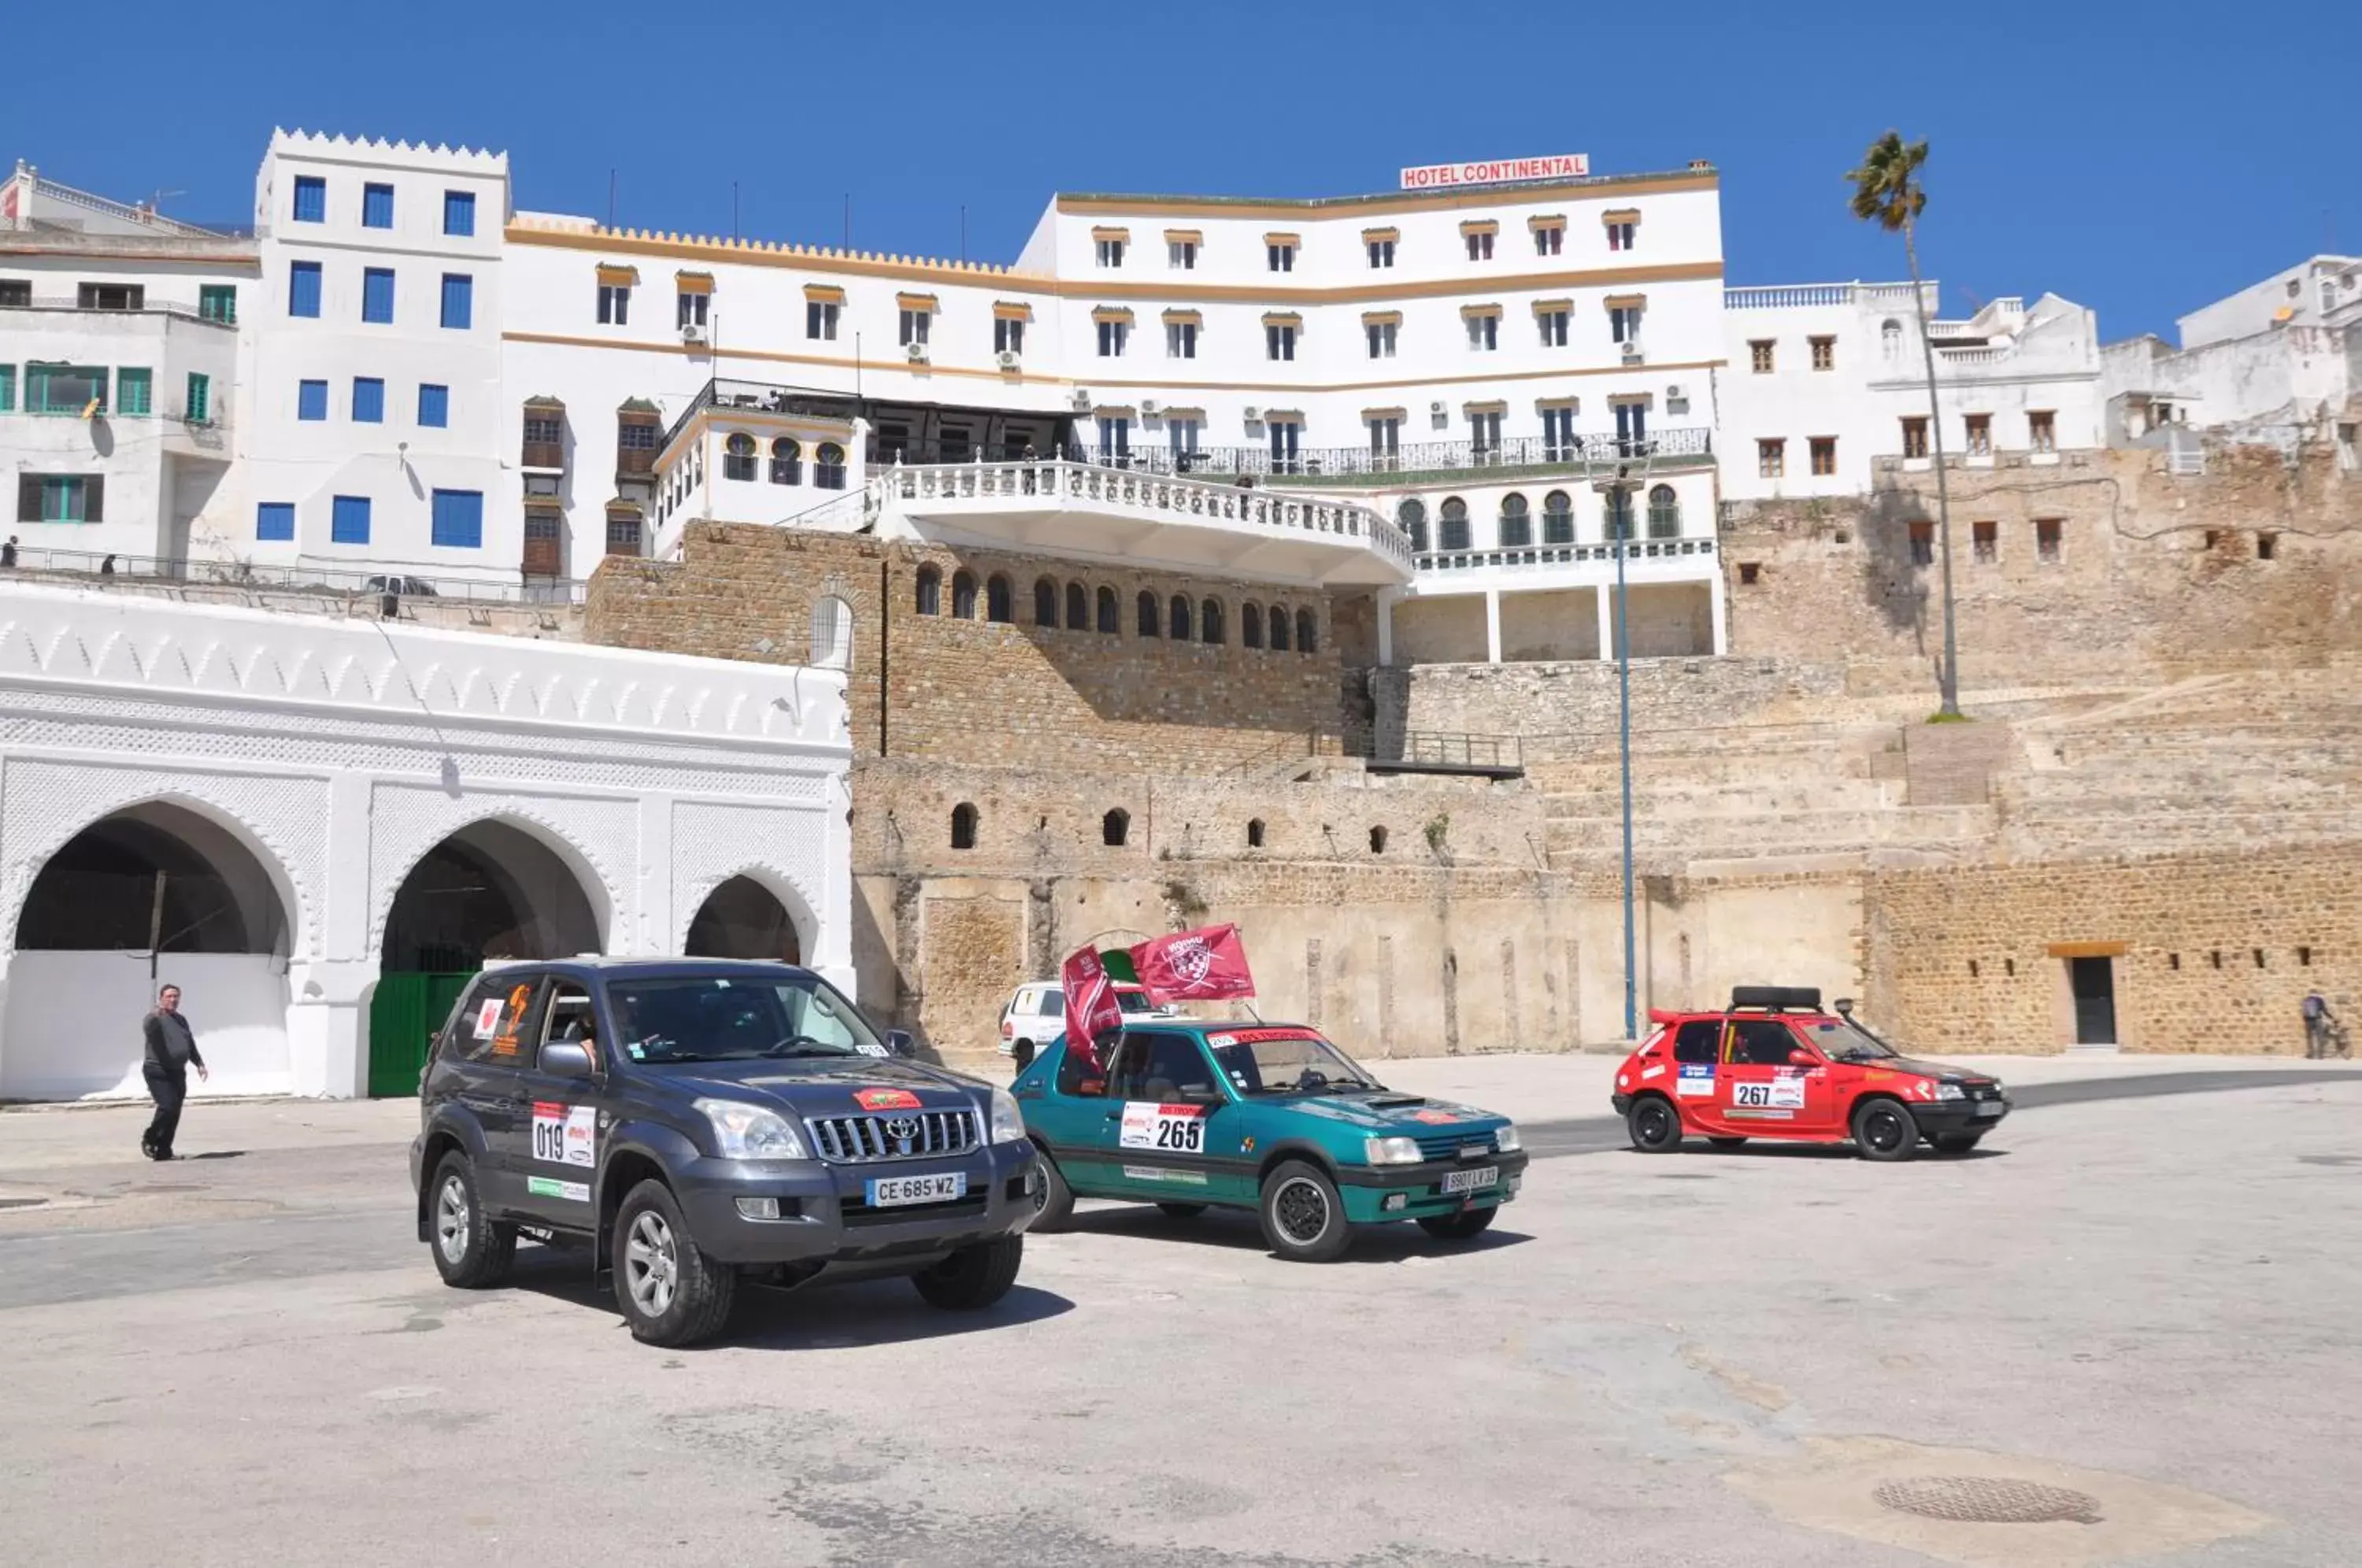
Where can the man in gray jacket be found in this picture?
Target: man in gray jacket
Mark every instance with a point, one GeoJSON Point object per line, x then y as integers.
{"type": "Point", "coordinates": [172, 1052]}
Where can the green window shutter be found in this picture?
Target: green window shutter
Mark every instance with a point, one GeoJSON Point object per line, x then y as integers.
{"type": "Point", "coordinates": [200, 397]}
{"type": "Point", "coordinates": [133, 389]}
{"type": "Point", "coordinates": [8, 388]}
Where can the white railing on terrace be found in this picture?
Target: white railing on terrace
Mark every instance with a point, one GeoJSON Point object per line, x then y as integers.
{"type": "Point", "coordinates": [1794, 297]}
{"type": "Point", "coordinates": [1183, 499]}
{"type": "Point", "coordinates": [1561, 554]}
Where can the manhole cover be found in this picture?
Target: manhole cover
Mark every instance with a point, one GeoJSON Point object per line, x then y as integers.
{"type": "Point", "coordinates": [1987, 1500]}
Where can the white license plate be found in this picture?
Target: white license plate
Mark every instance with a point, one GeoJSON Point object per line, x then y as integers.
{"type": "Point", "coordinates": [888, 1192]}
{"type": "Point", "coordinates": [1990, 1108]}
{"type": "Point", "coordinates": [1470, 1181]}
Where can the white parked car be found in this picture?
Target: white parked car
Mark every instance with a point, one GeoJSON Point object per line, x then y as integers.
{"type": "Point", "coordinates": [1036, 1014]}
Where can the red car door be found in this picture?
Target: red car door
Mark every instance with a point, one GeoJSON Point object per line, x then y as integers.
{"type": "Point", "coordinates": [1762, 1091]}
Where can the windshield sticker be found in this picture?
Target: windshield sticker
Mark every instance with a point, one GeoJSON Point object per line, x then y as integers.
{"type": "Point", "coordinates": [871, 1048]}
{"type": "Point", "coordinates": [1258, 1036]}
{"type": "Point", "coordinates": [546, 1187]}
{"type": "Point", "coordinates": [886, 1099]}
{"type": "Point", "coordinates": [1696, 1079]}
{"type": "Point", "coordinates": [1158, 1172]}
{"type": "Point", "coordinates": [1785, 1093]}
{"type": "Point", "coordinates": [634, 1050]}
{"type": "Point", "coordinates": [488, 1018]}
{"type": "Point", "coordinates": [565, 1134]}
{"type": "Point", "coordinates": [1179, 1129]}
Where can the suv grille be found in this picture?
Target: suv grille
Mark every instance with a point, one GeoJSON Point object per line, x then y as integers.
{"type": "Point", "coordinates": [893, 1135]}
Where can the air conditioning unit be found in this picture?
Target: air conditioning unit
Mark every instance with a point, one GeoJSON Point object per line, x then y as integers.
{"type": "Point", "coordinates": [1083, 403]}
{"type": "Point", "coordinates": [691, 333]}
{"type": "Point", "coordinates": [1149, 409]}
{"type": "Point", "coordinates": [917, 352]}
{"type": "Point", "coordinates": [1632, 351]}
{"type": "Point", "coordinates": [1006, 359]}
{"type": "Point", "coordinates": [1439, 408]}
{"type": "Point", "coordinates": [1254, 416]}
{"type": "Point", "coordinates": [1673, 393]}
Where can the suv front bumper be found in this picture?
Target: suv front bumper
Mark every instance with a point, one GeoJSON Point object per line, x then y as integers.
{"type": "Point", "coordinates": [825, 1217]}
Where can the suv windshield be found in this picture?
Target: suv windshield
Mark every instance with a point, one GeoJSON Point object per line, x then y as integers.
{"type": "Point", "coordinates": [1848, 1042]}
{"type": "Point", "coordinates": [1285, 1060]}
{"type": "Point", "coordinates": [723, 1019]}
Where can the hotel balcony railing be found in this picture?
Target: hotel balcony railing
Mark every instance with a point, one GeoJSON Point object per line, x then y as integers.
{"type": "Point", "coordinates": [1679, 448]}
{"type": "Point", "coordinates": [1137, 490]}
{"type": "Point", "coordinates": [1561, 555]}
{"type": "Point", "coordinates": [67, 302]}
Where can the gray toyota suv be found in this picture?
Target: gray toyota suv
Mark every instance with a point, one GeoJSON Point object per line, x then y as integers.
{"type": "Point", "coordinates": [691, 1123]}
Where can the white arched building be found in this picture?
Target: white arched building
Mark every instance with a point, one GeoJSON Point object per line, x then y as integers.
{"type": "Point", "coordinates": [312, 824]}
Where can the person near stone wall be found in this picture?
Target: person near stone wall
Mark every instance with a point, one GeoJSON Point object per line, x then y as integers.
{"type": "Point", "coordinates": [172, 1052]}
{"type": "Point", "coordinates": [2318, 1023]}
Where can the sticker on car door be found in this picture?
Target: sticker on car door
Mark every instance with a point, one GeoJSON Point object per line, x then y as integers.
{"type": "Point", "coordinates": [1696, 1080]}
{"type": "Point", "coordinates": [1170, 1129]}
{"type": "Point", "coordinates": [1779, 1094]}
{"type": "Point", "coordinates": [565, 1134]}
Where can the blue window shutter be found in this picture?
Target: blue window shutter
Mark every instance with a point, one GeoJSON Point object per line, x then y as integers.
{"type": "Point", "coordinates": [458, 213]}
{"type": "Point", "coordinates": [434, 407]}
{"type": "Point", "coordinates": [377, 294]}
{"type": "Point", "coordinates": [349, 523]}
{"type": "Point", "coordinates": [369, 399]}
{"type": "Point", "coordinates": [274, 520]}
{"type": "Point", "coordinates": [311, 199]}
{"type": "Point", "coordinates": [303, 289]}
{"type": "Point", "coordinates": [311, 400]}
{"type": "Point", "coordinates": [377, 206]}
{"type": "Point", "coordinates": [458, 301]}
{"type": "Point", "coordinates": [458, 521]}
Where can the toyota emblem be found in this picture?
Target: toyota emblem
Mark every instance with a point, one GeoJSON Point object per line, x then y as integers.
{"type": "Point", "coordinates": [903, 1130]}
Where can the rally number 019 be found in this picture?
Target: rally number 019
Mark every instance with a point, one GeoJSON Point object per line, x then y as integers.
{"type": "Point", "coordinates": [549, 1141]}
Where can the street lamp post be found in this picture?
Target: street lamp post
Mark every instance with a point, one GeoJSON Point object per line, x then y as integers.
{"type": "Point", "coordinates": [1619, 488]}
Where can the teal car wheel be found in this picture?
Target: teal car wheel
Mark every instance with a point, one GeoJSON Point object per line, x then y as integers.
{"type": "Point", "coordinates": [1054, 1201]}
{"type": "Point", "coordinates": [1303, 1214]}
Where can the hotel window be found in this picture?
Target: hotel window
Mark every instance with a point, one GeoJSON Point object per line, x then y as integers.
{"type": "Point", "coordinates": [1115, 436]}
{"type": "Point", "coordinates": [1287, 436]}
{"type": "Point", "coordinates": [1621, 236]}
{"type": "Point", "coordinates": [1557, 518]}
{"type": "Point", "coordinates": [2047, 531]}
{"type": "Point", "coordinates": [377, 206]}
{"type": "Point", "coordinates": [274, 520]}
{"type": "Point", "coordinates": [1114, 333]}
{"type": "Point", "coordinates": [828, 466]}
{"type": "Point", "coordinates": [914, 325]}
{"type": "Point", "coordinates": [2042, 430]}
{"type": "Point", "coordinates": [820, 320]}
{"type": "Point", "coordinates": [787, 461]}
{"type": "Point", "coordinates": [1279, 251]}
{"type": "Point", "coordinates": [458, 213]}
{"type": "Point", "coordinates": [303, 289]}
{"type": "Point", "coordinates": [458, 301]}
{"type": "Point", "coordinates": [1517, 522]}
{"type": "Point", "coordinates": [456, 519]}
{"type": "Point", "coordinates": [1664, 513]}
{"type": "Point", "coordinates": [1980, 435]}
{"type": "Point", "coordinates": [369, 399]}
{"type": "Point", "coordinates": [1549, 235]}
{"type": "Point", "coordinates": [1382, 334]}
{"type": "Point", "coordinates": [1484, 435]}
{"type": "Point", "coordinates": [1984, 541]}
{"type": "Point", "coordinates": [622, 533]}
{"type": "Point", "coordinates": [1454, 532]}
{"type": "Point", "coordinates": [1483, 327]}
{"type": "Point", "coordinates": [1554, 322]}
{"type": "Point", "coordinates": [311, 199]}
{"type": "Point", "coordinates": [1386, 442]}
{"type": "Point", "coordinates": [1007, 335]}
{"type": "Point", "coordinates": [1382, 254]}
{"type": "Point", "coordinates": [1631, 428]}
{"type": "Point", "coordinates": [377, 294]}
{"type": "Point", "coordinates": [349, 520]}
{"type": "Point", "coordinates": [1478, 237]}
{"type": "Point", "coordinates": [738, 458]}
{"type": "Point", "coordinates": [1623, 322]}
{"type": "Point", "coordinates": [1412, 518]}
{"type": "Point", "coordinates": [1180, 339]}
{"type": "Point", "coordinates": [1825, 456]}
{"type": "Point", "coordinates": [1181, 255]}
{"type": "Point", "coordinates": [1617, 515]}
{"type": "Point", "coordinates": [1558, 434]}
{"type": "Point", "coordinates": [1181, 431]}
{"type": "Point", "coordinates": [615, 305]}
{"type": "Point", "coordinates": [134, 390]}
{"type": "Point", "coordinates": [1111, 252]}
{"type": "Point", "coordinates": [217, 302]}
{"type": "Point", "coordinates": [1279, 340]}
{"type": "Point", "coordinates": [1759, 355]}
{"type": "Point", "coordinates": [1825, 353]}
{"type": "Point", "coordinates": [691, 308]}
{"type": "Point", "coordinates": [1922, 544]}
{"type": "Point", "coordinates": [311, 400]}
{"type": "Point", "coordinates": [1771, 457]}
{"type": "Point", "coordinates": [435, 412]}
{"type": "Point", "coordinates": [1915, 436]}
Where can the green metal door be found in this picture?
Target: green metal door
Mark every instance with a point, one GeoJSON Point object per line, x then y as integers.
{"type": "Point", "coordinates": [403, 1016]}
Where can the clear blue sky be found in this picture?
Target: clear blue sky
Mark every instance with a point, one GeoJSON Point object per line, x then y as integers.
{"type": "Point", "coordinates": [2141, 160]}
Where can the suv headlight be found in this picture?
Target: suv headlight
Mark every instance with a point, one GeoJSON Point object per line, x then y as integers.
{"type": "Point", "coordinates": [1007, 1121]}
{"type": "Point", "coordinates": [1505, 1140]}
{"type": "Point", "coordinates": [1391, 1151]}
{"type": "Point", "coordinates": [744, 1131]}
{"type": "Point", "coordinates": [1950, 1091]}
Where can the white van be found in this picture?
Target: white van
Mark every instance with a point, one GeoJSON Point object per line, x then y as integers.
{"type": "Point", "coordinates": [1036, 1013]}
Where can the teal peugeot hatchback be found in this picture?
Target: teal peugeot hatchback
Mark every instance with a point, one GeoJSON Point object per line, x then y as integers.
{"type": "Point", "coordinates": [1268, 1117]}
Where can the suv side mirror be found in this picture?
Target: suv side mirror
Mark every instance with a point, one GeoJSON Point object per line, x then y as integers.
{"type": "Point", "coordinates": [900, 1044]}
{"type": "Point", "coordinates": [1800, 1057]}
{"type": "Point", "coordinates": [568, 1059]}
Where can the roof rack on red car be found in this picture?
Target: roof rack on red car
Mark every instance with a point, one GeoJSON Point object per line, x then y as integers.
{"type": "Point", "coordinates": [1775, 998]}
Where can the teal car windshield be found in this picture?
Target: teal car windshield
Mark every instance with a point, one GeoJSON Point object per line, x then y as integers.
{"type": "Point", "coordinates": [1285, 1060]}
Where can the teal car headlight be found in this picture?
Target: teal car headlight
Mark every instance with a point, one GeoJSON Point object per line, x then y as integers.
{"type": "Point", "coordinates": [1950, 1091]}
{"type": "Point", "coordinates": [1007, 1121]}
{"type": "Point", "coordinates": [1505, 1140]}
{"type": "Point", "coordinates": [1391, 1151]}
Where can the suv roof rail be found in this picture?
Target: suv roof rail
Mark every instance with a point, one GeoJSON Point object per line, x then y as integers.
{"type": "Point", "coordinates": [1775, 998]}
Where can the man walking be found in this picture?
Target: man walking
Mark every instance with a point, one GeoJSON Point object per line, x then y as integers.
{"type": "Point", "coordinates": [171, 1051]}
{"type": "Point", "coordinates": [2316, 1025]}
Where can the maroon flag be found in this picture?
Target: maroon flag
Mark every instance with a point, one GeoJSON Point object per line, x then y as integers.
{"type": "Point", "coordinates": [1091, 1009]}
{"type": "Point", "coordinates": [1193, 966]}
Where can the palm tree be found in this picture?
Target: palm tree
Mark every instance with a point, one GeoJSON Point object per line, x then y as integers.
{"type": "Point", "coordinates": [1886, 192]}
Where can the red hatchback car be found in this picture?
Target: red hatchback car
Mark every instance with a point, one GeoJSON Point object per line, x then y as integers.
{"type": "Point", "coordinates": [1773, 1065]}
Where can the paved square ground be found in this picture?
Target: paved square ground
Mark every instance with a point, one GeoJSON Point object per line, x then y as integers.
{"type": "Point", "coordinates": [2133, 1314]}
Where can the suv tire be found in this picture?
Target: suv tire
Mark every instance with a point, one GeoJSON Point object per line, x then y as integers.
{"type": "Point", "coordinates": [670, 1293]}
{"type": "Point", "coordinates": [1055, 1208]}
{"type": "Point", "coordinates": [471, 1252]}
{"type": "Point", "coordinates": [973, 1277]}
{"type": "Point", "coordinates": [1303, 1215]}
{"type": "Point", "coordinates": [1884, 1130]}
